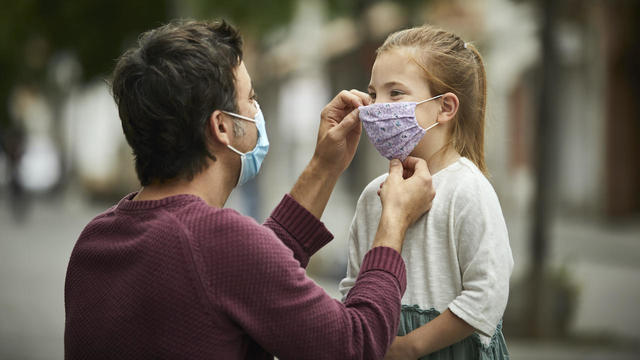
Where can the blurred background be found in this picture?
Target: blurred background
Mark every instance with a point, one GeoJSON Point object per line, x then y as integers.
{"type": "Point", "coordinates": [563, 136]}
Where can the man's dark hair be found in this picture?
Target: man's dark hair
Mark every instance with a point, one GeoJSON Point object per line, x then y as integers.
{"type": "Point", "coordinates": [166, 89]}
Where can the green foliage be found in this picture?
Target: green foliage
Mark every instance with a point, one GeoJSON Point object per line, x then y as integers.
{"type": "Point", "coordinates": [255, 17]}
{"type": "Point", "coordinates": [97, 31]}
{"type": "Point", "coordinates": [31, 31]}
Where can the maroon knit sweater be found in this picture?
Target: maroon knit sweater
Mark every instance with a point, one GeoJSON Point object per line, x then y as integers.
{"type": "Point", "coordinates": [177, 279]}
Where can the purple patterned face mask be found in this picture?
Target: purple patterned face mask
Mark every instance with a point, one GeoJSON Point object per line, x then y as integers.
{"type": "Point", "coordinates": [393, 128]}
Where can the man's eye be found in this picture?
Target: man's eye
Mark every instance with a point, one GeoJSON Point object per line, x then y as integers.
{"type": "Point", "coordinates": [254, 97]}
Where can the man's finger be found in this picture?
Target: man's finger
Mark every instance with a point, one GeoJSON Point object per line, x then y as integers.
{"type": "Point", "coordinates": [366, 99]}
{"type": "Point", "coordinates": [346, 99]}
{"type": "Point", "coordinates": [395, 169]}
{"type": "Point", "coordinates": [347, 124]}
{"type": "Point", "coordinates": [416, 165]}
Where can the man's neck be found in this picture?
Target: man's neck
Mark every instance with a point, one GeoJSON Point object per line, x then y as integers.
{"type": "Point", "coordinates": [212, 185]}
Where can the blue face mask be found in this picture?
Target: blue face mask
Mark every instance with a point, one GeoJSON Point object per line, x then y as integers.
{"type": "Point", "coordinates": [252, 160]}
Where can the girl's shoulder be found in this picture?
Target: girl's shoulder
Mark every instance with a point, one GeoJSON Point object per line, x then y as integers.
{"type": "Point", "coordinates": [371, 190]}
{"type": "Point", "coordinates": [464, 183]}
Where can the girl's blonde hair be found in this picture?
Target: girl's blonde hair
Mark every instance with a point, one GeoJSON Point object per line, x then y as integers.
{"type": "Point", "coordinates": [451, 65]}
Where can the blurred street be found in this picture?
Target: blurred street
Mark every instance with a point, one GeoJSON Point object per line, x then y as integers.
{"type": "Point", "coordinates": [33, 262]}
{"type": "Point", "coordinates": [34, 255]}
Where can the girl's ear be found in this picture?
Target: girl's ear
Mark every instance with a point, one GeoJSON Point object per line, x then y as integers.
{"type": "Point", "coordinates": [449, 107]}
{"type": "Point", "coordinates": [221, 128]}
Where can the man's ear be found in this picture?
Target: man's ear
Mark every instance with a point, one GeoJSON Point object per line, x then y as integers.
{"type": "Point", "coordinates": [449, 105]}
{"type": "Point", "coordinates": [221, 128]}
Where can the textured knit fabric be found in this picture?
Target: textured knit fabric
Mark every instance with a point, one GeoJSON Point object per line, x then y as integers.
{"type": "Point", "coordinates": [469, 348]}
{"type": "Point", "coordinates": [177, 279]}
{"type": "Point", "coordinates": [458, 254]}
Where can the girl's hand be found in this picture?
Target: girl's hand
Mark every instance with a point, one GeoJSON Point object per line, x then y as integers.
{"type": "Point", "coordinates": [400, 350]}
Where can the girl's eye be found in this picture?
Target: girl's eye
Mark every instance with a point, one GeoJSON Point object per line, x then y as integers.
{"type": "Point", "coordinates": [254, 97]}
{"type": "Point", "coordinates": [373, 95]}
{"type": "Point", "coordinates": [395, 93]}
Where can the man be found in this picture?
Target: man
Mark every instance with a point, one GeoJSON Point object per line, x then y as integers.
{"type": "Point", "coordinates": [168, 273]}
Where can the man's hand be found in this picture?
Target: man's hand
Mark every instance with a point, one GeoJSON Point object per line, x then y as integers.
{"type": "Point", "coordinates": [338, 139]}
{"type": "Point", "coordinates": [408, 192]}
{"type": "Point", "coordinates": [406, 195]}
{"type": "Point", "coordinates": [339, 131]}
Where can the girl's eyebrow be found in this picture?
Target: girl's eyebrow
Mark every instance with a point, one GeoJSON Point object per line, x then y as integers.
{"type": "Point", "coordinates": [388, 85]}
{"type": "Point", "coordinates": [392, 84]}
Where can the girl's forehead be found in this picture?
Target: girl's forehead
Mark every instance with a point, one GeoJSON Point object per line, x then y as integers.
{"type": "Point", "coordinates": [396, 65]}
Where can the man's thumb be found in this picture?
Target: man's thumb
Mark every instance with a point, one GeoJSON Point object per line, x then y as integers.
{"type": "Point", "coordinates": [395, 168]}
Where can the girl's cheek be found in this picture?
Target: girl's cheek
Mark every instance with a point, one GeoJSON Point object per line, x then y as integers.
{"type": "Point", "coordinates": [425, 118]}
{"type": "Point", "coordinates": [382, 99]}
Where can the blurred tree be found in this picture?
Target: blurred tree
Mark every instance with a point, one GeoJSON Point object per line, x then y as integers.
{"type": "Point", "coordinates": [255, 17]}
{"type": "Point", "coordinates": [355, 8]}
{"type": "Point", "coordinates": [31, 31]}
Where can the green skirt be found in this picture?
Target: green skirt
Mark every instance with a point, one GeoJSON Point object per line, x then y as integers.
{"type": "Point", "coordinates": [471, 348]}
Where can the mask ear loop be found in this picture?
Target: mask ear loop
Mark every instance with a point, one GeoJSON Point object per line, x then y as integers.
{"type": "Point", "coordinates": [424, 101]}
{"type": "Point", "coordinates": [429, 99]}
{"type": "Point", "coordinates": [432, 126]}
{"type": "Point", "coordinates": [236, 150]}
{"type": "Point", "coordinates": [238, 116]}
{"type": "Point", "coordinates": [241, 116]}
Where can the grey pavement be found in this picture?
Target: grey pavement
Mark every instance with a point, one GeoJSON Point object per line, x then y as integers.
{"type": "Point", "coordinates": [33, 261]}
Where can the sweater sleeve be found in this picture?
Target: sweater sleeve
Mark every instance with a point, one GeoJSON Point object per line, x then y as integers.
{"type": "Point", "coordinates": [361, 232]}
{"type": "Point", "coordinates": [260, 286]}
{"type": "Point", "coordinates": [485, 259]}
{"type": "Point", "coordinates": [298, 229]}
{"type": "Point", "coordinates": [353, 262]}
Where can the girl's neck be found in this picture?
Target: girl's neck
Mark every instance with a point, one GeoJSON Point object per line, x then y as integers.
{"type": "Point", "coordinates": [442, 159]}
{"type": "Point", "coordinates": [439, 158]}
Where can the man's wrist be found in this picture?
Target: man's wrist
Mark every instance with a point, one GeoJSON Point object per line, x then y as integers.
{"type": "Point", "coordinates": [314, 187]}
{"type": "Point", "coordinates": [390, 233]}
{"type": "Point", "coordinates": [323, 169]}
{"type": "Point", "coordinates": [394, 220]}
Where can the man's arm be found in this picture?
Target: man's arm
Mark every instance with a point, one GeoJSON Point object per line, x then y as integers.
{"type": "Point", "coordinates": [298, 229]}
{"type": "Point", "coordinates": [296, 220]}
{"type": "Point", "coordinates": [285, 312]}
{"type": "Point", "coordinates": [338, 137]}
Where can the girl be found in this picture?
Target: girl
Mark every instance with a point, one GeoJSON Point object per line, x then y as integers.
{"type": "Point", "coordinates": [429, 92]}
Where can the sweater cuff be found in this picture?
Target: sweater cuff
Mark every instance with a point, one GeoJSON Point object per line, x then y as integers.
{"type": "Point", "coordinates": [308, 231]}
{"type": "Point", "coordinates": [386, 259]}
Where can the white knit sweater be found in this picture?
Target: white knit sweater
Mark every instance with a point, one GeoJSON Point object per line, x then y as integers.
{"type": "Point", "coordinates": [457, 255]}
